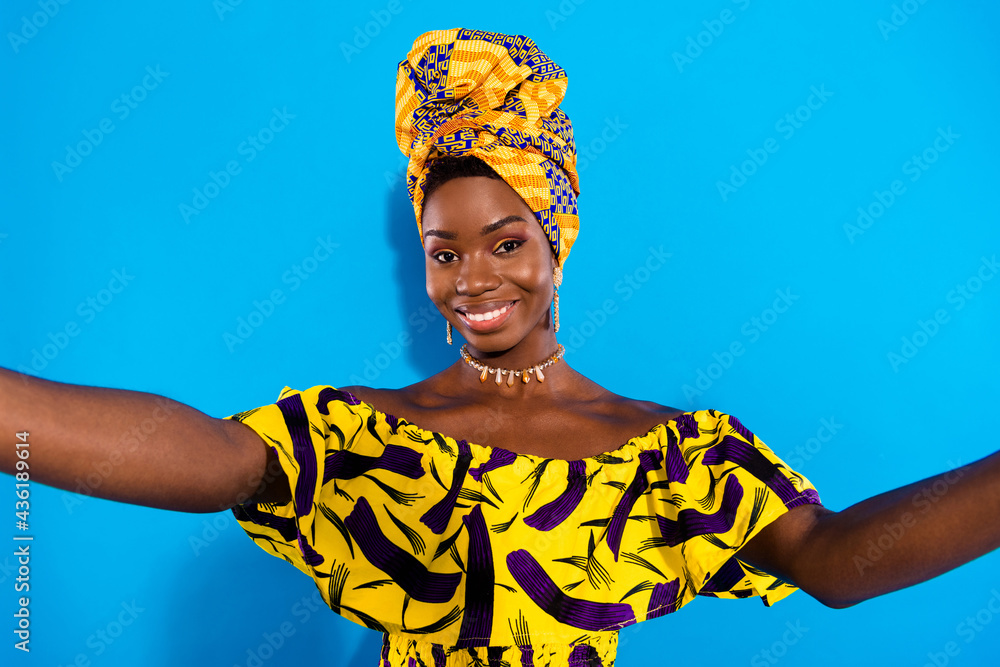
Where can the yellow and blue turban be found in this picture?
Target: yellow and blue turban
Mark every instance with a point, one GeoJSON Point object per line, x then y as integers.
{"type": "Point", "coordinates": [495, 96]}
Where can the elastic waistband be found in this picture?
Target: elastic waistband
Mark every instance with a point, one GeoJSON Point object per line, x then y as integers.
{"type": "Point", "coordinates": [595, 650]}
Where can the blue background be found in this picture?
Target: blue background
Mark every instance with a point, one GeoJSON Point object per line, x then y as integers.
{"type": "Point", "coordinates": [682, 98]}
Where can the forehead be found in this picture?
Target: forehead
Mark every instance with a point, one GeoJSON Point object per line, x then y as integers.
{"type": "Point", "coordinates": [473, 200]}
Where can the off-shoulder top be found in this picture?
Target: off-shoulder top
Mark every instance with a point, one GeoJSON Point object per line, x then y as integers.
{"type": "Point", "coordinates": [464, 554]}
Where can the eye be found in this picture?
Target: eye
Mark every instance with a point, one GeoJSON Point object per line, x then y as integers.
{"type": "Point", "coordinates": [445, 256]}
{"type": "Point", "coordinates": [509, 245]}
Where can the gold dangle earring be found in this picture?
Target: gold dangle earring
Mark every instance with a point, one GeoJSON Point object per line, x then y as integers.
{"type": "Point", "coordinates": [556, 281]}
{"type": "Point", "coordinates": [448, 332]}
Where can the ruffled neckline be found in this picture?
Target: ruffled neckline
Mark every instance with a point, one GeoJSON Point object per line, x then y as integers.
{"type": "Point", "coordinates": [638, 443]}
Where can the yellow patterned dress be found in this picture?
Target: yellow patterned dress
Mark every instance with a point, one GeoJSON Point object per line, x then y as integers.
{"type": "Point", "coordinates": [463, 554]}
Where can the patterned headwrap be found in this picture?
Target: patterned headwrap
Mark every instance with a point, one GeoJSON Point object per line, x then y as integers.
{"type": "Point", "coordinates": [469, 92]}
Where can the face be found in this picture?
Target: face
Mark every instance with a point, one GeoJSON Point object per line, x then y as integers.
{"type": "Point", "coordinates": [489, 264]}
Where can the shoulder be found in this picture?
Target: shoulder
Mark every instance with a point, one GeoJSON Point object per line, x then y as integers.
{"type": "Point", "coordinates": [655, 409]}
{"type": "Point", "coordinates": [642, 410]}
{"type": "Point", "coordinates": [604, 403]}
{"type": "Point", "coordinates": [393, 401]}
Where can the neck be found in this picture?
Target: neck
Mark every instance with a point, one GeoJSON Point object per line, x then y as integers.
{"type": "Point", "coordinates": [531, 358]}
{"type": "Point", "coordinates": [509, 376]}
{"type": "Point", "coordinates": [533, 349]}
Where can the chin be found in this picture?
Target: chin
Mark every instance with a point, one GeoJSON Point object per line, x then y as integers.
{"type": "Point", "coordinates": [502, 341]}
{"type": "Point", "coordinates": [492, 343]}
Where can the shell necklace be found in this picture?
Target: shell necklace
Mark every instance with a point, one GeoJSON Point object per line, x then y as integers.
{"type": "Point", "coordinates": [524, 373]}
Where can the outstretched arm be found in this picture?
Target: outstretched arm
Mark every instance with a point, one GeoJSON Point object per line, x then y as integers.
{"type": "Point", "coordinates": [128, 446]}
{"type": "Point", "coordinates": [888, 542]}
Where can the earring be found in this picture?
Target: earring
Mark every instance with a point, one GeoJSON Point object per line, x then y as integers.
{"type": "Point", "coordinates": [556, 281]}
{"type": "Point", "coordinates": [448, 333]}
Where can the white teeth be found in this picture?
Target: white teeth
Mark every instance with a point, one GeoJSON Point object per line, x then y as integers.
{"type": "Point", "coordinates": [486, 317]}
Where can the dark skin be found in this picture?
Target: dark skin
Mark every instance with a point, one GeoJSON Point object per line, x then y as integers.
{"type": "Point", "coordinates": [485, 250]}
{"type": "Point", "coordinates": [483, 246]}
{"type": "Point", "coordinates": [486, 254]}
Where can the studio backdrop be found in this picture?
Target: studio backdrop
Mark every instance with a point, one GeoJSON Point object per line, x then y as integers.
{"type": "Point", "coordinates": [788, 213]}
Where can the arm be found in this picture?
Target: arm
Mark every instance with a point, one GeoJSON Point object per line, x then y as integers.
{"type": "Point", "coordinates": [130, 446]}
{"type": "Point", "coordinates": [890, 541]}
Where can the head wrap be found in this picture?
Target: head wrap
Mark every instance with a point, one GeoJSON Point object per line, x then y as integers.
{"type": "Point", "coordinates": [469, 92]}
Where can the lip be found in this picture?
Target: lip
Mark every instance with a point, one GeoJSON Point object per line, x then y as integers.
{"type": "Point", "coordinates": [486, 326]}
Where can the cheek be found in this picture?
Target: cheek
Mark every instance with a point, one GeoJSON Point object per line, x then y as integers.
{"type": "Point", "coordinates": [433, 284]}
{"type": "Point", "coordinates": [535, 276]}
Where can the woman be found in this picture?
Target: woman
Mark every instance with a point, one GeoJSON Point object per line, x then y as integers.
{"type": "Point", "coordinates": [589, 511]}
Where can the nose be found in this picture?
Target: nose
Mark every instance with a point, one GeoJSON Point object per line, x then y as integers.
{"type": "Point", "coordinates": [476, 276]}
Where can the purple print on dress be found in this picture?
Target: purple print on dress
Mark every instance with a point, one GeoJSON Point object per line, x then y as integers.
{"type": "Point", "coordinates": [393, 422]}
{"type": "Point", "coordinates": [648, 462]}
{"type": "Point", "coordinates": [691, 523]}
{"type": "Point", "coordinates": [538, 585]}
{"type": "Point", "coordinates": [494, 656]}
{"type": "Point", "coordinates": [677, 470]}
{"type": "Point", "coordinates": [330, 394]}
{"type": "Point", "coordinates": [401, 566]}
{"type": "Point", "coordinates": [740, 428]}
{"type": "Point", "coordinates": [806, 497]}
{"type": "Point", "coordinates": [687, 426]}
{"type": "Point", "coordinates": [297, 424]}
{"type": "Point", "coordinates": [438, 516]}
{"type": "Point", "coordinates": [724, 578]}
{"type": "Point", "coordinates": [498, 459]}
{"type": "Point", "coordinates": [309, 555]}
{"type": "Point", "coordinates": [552, 514]}
{"type": "Point", "coordinates": [343, 464]}
{"type": "Point", "coordinates": [753, 461]}
{"type": "Point", "coordinates": [584, 655]}
{"type": "Point", "coordinates": [663, 599]}
{"type": "Point", "coordinates": [286, 527]}
{"type": "Point", "coordinates": [477, 620]}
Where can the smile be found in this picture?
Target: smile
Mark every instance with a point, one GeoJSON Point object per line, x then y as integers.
{"type": "Point", "coordinates": [488, 320]}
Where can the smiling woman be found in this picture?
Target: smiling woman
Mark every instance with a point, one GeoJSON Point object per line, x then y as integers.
{"type": "Point", "coordinates": [525, 520]}
{"type": "Point", "coordinates": [489, 264]}
{"type": "Point", "coordinates": [561, 535]}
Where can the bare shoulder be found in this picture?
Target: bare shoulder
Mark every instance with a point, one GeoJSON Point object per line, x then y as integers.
{"type": "Point", "coordinates": [650, 409]}
{"type": "Point", "coordinates": [653, 408]}
{"type": "Point", "coordinates": [393, 401]}
{"type": "Point", "coordinates": [371, 394]}
{"type": "Point", "coordinates": [605, 403]}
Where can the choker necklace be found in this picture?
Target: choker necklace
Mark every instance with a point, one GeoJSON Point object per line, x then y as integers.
{"type": "Point", "coordinates": [511, 374]}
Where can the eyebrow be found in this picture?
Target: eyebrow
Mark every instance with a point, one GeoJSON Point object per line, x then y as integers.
{"type": "Point", "coordinates": [486, 230]}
